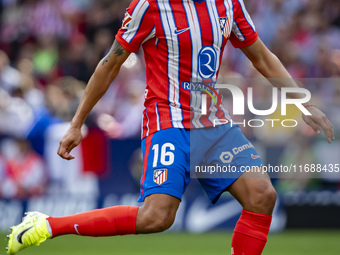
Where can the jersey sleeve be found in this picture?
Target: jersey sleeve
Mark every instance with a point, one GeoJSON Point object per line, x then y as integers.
{"type": "Point", "coordinates": [243, 32]}
{"type": "Point", "coordinates": [137, 26]}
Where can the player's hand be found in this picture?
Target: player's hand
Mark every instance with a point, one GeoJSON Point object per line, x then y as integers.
{"type": "Point", "coordinates": [319, 120]}
{"type": "Point", "coordinates": [70, 140]}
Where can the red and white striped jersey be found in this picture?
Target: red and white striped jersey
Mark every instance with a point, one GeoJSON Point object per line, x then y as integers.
{"type": "Point", "coordinates": [183, 43]}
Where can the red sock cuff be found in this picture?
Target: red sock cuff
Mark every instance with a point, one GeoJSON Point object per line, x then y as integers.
{"type": "Point", "coordinates": [127, 225]}
{"type": "Point", "coordinates": [254, 224]}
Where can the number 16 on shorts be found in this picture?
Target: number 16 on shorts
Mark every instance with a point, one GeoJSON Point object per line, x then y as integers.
{"type": "Point", "coordinates": [167, 156]}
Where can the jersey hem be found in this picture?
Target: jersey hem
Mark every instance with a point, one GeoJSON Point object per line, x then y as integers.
{"type": "Point", "coordinates": [187, 128]}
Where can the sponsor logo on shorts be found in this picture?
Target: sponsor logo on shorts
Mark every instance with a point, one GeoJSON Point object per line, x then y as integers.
{"type": "Point", "coordinates": [160, 176]}
{"type": "Point", "coordinates": [247, 146]}
{"type": "Point", "coordinates": [227, 156]}
{"type": "Point", "coordinates": [255, 156]}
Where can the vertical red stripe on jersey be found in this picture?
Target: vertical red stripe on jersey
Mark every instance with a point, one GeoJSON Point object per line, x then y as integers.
{"type": "Point", "coordinates": [144, 126]}
{"type": "Point", "coordinates": [152, 115]}
{"type": "Point", "coordinates": [220, 114]}
{"type": "Point", "coordinates": [165, 118]}
{"type": "Point", "coordinates": [146, 160]}
{"type": "Point", "coordinates": [205, 22]}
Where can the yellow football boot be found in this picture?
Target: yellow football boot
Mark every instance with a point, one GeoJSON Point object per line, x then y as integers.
{"type": "Point", "coordinates": [31, 231]}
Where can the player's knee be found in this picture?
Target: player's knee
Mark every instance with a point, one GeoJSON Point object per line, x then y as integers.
{"type": "Point", "coordinates": [155, 221]}
{"type": "Point", "coordinates": [159, 221]}
{"type": "Point", "coordinates": [270, 196]}
{"type": "Point", "coordinates": [263, 198]}
{"type": "Point", "coordinates": [162, 224]}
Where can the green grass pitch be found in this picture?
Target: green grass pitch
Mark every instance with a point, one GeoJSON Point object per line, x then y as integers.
{"type": "Point", "coordinates": [288, 243]}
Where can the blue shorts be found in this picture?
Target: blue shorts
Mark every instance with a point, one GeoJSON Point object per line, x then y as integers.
{"type": "Point", "coordinates": [171, 157]}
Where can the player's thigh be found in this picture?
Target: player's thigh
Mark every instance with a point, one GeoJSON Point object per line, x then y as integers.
{"type": "Point", "coordinates": [165, 163]}
{"type": "Point", "coordinates": [228, 155]}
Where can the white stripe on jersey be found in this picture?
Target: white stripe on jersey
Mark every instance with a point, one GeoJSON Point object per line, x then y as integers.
{"type": "Point", "coordinates": [137, 16]}
{"type": "Point", "coordinates": [148, 122]}
{"type": "Point", "coordinates": [246, 14]}
{"type": "Point", "coordinates": [238, 32]}
{"type": "Point", "coordinates": [169, 26]}
{"type": "Point", "coordinates": [158, 119]}
{"type": "Point", "coordinates": [196, 97]}
{"type": "Point", "coordinates": [142, 129]}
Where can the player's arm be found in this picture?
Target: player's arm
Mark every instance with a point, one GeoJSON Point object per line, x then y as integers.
{"type": "Point", "coordinates": [271, 67]}
{"type": "Point", "coordinates": [106, 71]}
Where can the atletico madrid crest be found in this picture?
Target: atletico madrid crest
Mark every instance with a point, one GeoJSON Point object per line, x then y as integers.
{"type": "Point", "coordinates": [225, 26]}
{"type": "Point", "coordinates": [160, 176]}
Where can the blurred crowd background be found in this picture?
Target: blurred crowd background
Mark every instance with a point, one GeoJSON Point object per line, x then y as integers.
{"type": "Point", "coordinates": [49, 49]}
